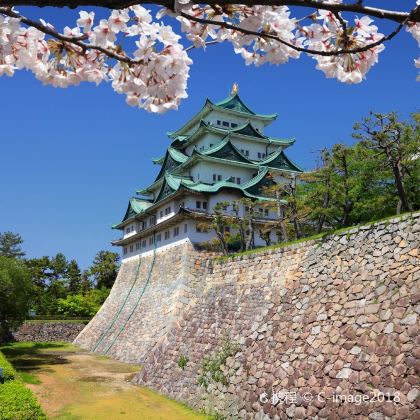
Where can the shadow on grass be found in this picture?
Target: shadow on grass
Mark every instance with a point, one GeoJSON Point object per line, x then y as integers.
{"type": "Point", "coordinates": [27, 357]}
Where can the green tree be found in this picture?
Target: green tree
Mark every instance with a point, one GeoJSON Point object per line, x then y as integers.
{"type": "Point", "coordinates": [396, 147]}
{"type": "Point", "coordinates": [15, 293]}
{"type": "Point", "coordinates": [40, 276]}
{"type": "Point", "coordinates": [219, 223]}
{"type": "Point", "coordinates": [58, 265]}
{"type": "Point", "coordinates": [105, 268]}
{"type": "Point", "coordinates": [86, 283]}
{"type": "Point", "coordinates": [74, 277]}
{"type": "Point", "coordinates": [10, 245]}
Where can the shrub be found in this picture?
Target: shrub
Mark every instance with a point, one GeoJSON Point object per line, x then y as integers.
{"type": "Point", "coordinates": [82, 305]}
{"type": "Point", "coordinates": [211, 367]}
{"type": "Point", "coordinates": [18, 403]}
{"type": "Point", "coordinates": [182, 361]}
{"type": "Point", "coordinates": [8, 371]}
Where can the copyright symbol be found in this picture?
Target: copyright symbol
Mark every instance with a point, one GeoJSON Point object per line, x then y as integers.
{"type": "Point", "coordinates": [307, 397]}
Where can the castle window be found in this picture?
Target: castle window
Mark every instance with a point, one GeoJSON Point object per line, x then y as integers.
{"type": "Point", "coordinates": [176, 231]}
{"type": "Point", "coordinates": [219, 177]}
{"type": "Point", "coordinates": [125, 250]}
{"type": "Point", "coordinates": [137, 246]}
{"type": "Point", "coordinates": [211, 144]}
{"type": "Point", "coordinates": [214, 177]}
{"type": "Point", "coordinates": [266, 212]}
{"type": "Point", "coordinates": [205, 205]}
{"type": "Point", "coordinates": [167, 234]}
{"type": "Point", "coordinates": [131, 248]}
{"type": "Point", "coordinates": [234, 125]}
{"type": "Point", "coordinates": [143, 243]}
{"type": "Point", "coordinates": [161, 213]}
{"type": "Point", "coordinates": [198, 204]}
{"type": "Point", "coordinates": [185, 228]}
{"type": "Point", "coordinates": [219, 122]}
{"type": "Point", "coordinates": [127, 230]}
{"type": "Point", "coordinates": [225, 124]}
{"type": "Point", "coordinates": [158, 237]}
{"type": "Point", "coordinates": [238, 180]}
{"type": "Point", "coordinates": [151, 240]}
{"type": "Point", "coordinates": [167, 210]}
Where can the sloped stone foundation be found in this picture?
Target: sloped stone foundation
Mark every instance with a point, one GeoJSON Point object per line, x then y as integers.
{"type": "Point", "coordinates": [317, 325]}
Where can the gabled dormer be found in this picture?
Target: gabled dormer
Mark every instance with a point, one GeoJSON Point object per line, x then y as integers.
{"type": "Point", "coordinates": [231, 110]}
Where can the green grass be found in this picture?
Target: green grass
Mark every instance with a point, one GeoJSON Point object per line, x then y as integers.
{"type": "Point", "coordinates": [29, 347]}
{"type": "Point", "coordinates": [57, 321]}
{"type": "Point", "coordinates": [28, 378]}
{"type": "Point", "coordinates": [28, 357]}
{"type": "Point", "coordinates": [318, 237]}
{"type": "Point", "coordinates": [78, 386]}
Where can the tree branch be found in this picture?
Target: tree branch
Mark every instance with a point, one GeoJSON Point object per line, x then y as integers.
{"type": "Point", "coordinates": [295, 47]}
{"type": "Point", "coordinates": [67, 39]}
{"type": "Point", "coordinates": [356, 7]}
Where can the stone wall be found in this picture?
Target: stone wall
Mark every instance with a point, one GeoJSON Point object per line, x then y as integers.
{"type": "Point", "coordinates": [48, 331]}
{"type": "Point", "coordinates": [338, 316]}
{"type": "Point", "coordinates": [149, 296]}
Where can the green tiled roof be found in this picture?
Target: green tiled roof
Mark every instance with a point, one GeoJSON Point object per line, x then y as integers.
{"type": "Point", "coordinates": [173, 158]}
{"type": "Point", "coordinates": [235, 103]}
{"type": "Point", "coordinates": [135, 206]}
{"type": "Point", "coordinates": [279, 160]}
{"type": "Point", "coordinates": [232, 103]}
{"type": "Point", "coordinates": [246, 129]}
{"type": "Point", "coordinates": [225, 150]}
{"type": "Point", "coordinates": [174, 183]}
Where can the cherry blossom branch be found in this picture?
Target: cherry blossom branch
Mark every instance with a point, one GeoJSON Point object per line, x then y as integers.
{"type": "Point", "coordinates": [356, 7]}
{"type": "Point", "coordinates": [227, 25]}
{"type": "Point", "coordinates": [71, 40]}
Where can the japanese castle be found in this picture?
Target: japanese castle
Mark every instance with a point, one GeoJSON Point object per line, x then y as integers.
{"type": "Point", "coordinates": [221, 154]}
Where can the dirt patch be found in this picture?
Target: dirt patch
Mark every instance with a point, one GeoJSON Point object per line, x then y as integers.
{"type": "Point", "coordinates": [78, 385]}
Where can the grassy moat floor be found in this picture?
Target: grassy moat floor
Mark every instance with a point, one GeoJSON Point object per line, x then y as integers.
{"type": "Point", "coordinates": [72, 384]}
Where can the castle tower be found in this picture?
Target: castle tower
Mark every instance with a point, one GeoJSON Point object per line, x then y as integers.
{"type": "Point", "coordinates": [220, 154]}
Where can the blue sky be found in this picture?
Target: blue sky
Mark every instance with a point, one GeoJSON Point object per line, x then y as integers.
{"type": "Point", "coordinates": [71, 158]}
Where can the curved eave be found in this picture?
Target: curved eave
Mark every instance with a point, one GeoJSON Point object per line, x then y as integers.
{"type": "Point", "coordinates": [249, 113]}
{"type": "Point", "coordinates": [197, 156]}
{"type": "Point", "coordinates": [136, 208]}
{"type": "Point", "coordinates": [150, 190]}
{"type": "Point", "coordinates": [194, 120]}
{"type": "Point", "coordinates": [275, 155]}
{"type": "Point", "coordinates": [159, 161]}
{"type": "Point", "coordinates": [204, 127]}
{"type": "Point", "coordinates": [212, 106]}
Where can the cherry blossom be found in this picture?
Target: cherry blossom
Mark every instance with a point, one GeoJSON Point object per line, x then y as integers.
{"type": "Point", "coordinates": [154, 76]}
{"type": "Point", "coordinates": [85, 21]}
{"type": "Point", "coordinates": [330, 34]}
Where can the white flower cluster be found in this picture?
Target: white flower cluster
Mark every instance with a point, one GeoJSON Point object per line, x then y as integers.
{"type": "Point", "coordinates": [154, 76]}
{"type": "Point", "coordinates": [414, 29]}
{"type": "Point", "coordinates": [155, 79]}
{"type": "Point", "coordinates": [329, 34]}
{"type": "Point", "coordinates": [270, 20]}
